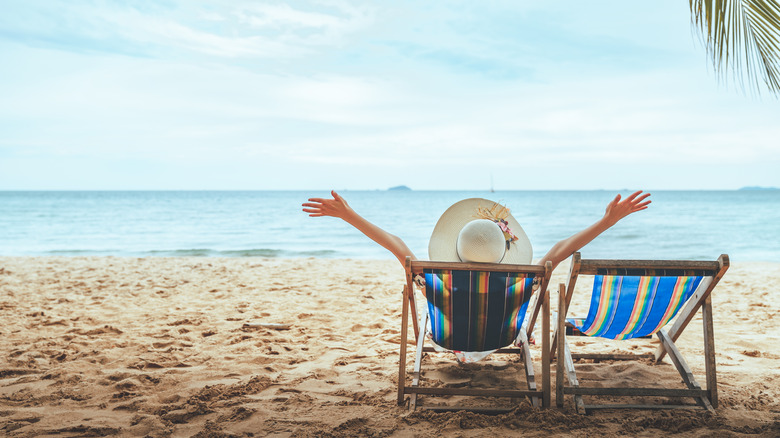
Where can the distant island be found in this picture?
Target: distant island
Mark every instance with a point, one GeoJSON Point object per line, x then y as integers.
{"type": "Point", "coordinates": [758, 188]}
{"type": "Point", "coordinates": [399, 188]}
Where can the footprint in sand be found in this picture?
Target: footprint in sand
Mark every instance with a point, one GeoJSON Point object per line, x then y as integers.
{"type": "Point", "coordinates": [15, 422]}
{"type": "Point", "coordinates": [239, 339]}
{"type": "Point", "coordinates": [161, 345]}
{"type": "Point", "coordinates": [107, 329]}
{"type": "Point", "coordinates": [186, 321]}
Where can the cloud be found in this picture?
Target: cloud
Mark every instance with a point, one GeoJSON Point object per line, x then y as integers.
{"type": "Point", "coordinates": [357, 94]}
{"type": "Point", "coordinates": [243, 29]}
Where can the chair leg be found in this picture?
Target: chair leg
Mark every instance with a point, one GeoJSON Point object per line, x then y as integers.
{"type": "Point", "coordinates": [413, 310]}
{"type": "Point", "coordinates": [564, 362]}
{"type": "Point", "coordinates": [528, 362]}
{"type": "Point", "coordinates": [579, 404]}
{"type": "Point", "coordinates": [546, 351]}
{"type": "Point", "coordinates": [402, 343]}
{"type": "Point", "coordinates": [559, 362]}
{"type": "Point", "coordinates": [418, 364]}
{"type": "Point", "coordinates": [709, 352]}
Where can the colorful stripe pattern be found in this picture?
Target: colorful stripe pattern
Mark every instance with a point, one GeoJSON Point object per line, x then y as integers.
{"type": "Point", "coordinates": [624, 307]}
{"type": "Point", "coordinates": [474, 310]}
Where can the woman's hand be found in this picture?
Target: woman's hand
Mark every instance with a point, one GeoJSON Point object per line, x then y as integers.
{"type": "Point", "coordinates": [336, 207]}
{"type": "Point", "coordinates": [618, 209]}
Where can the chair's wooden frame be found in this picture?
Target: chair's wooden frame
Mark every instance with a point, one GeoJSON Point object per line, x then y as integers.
{"type": "Point", "coordinates": [541, 303]}
{"type": "Point", "coordinates": [705, 398]}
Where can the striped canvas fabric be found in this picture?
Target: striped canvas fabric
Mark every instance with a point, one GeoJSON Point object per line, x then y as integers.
{"type": "Point", "coordinates": [624, 307]}
{"type": "Point", "coordinates": [474, 310]}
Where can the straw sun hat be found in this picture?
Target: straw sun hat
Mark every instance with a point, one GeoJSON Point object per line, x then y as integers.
{"type": "Point", "coordinates": [479, 230]}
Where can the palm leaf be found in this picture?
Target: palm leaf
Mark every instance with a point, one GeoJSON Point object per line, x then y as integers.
{"type": "Point", "coordinates": [742, 36]}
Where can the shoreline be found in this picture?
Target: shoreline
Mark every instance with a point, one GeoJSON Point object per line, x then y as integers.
{"type": "Point", "coordinates": [304, 257]}
{"type": "Point", "coordinates": [161, 346]}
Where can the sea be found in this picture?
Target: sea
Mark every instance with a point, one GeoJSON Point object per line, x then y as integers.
{"type": "Point", "coordinates": [699, 225]}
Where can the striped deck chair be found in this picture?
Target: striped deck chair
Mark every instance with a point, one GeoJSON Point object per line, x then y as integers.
{"type": "Point", "coordinates": [475, 307]}
{"type": "Point", "coordinates": [636, 299]}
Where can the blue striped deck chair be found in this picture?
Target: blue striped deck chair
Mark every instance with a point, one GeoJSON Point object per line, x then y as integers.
{"type": "Point", "coordinates": [475, 307]}
{"type": "Point", "coordinates": [637, 299]}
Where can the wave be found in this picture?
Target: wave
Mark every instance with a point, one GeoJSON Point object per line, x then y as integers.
{"type": "Point", "coordinates": [79, 252]}
{"type": "Point", "coordinates": [262, 252]}
{"type": "Point", "coordinates": [197, 252]}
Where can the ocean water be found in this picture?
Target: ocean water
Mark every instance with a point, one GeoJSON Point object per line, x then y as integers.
{"type": "Point", "coordinates": [679, 224]}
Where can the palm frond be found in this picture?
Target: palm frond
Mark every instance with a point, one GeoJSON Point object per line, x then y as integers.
{"type": "Point", "coordinates": [742, 36]}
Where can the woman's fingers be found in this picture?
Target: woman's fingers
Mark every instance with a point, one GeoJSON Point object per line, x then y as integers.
{"type": "Point", "coordinates": [635, 200]}
{"type": "Point", "coordinates": [641, 203]}
{"type": "Point", "coordinates": [642, 198]}
{"type": "Point", "coordinates": [633, 195]}
{"type": "Point", "coordinates": [318, 207]}
{"type": "Point", "coordinates": [644, 204]}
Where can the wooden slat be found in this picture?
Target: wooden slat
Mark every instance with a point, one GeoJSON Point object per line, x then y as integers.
{"type": "Point", "coordinates": [473, 392]}
{"type": "Point", "coordinates": [637, 392]}
{"type": "Point", "coordinates": [419, 265]}
{"type": "Point", "coordinates": [499, 351]}
{"type": "Point", "coordinates": [510, 351]}
{"type": "Point", "coordinates": [589, 408]}
{"type": "Point", "coordinates": [483, 411]}
{"type": "Point", "coordinates": [592, 266]}
{"type": "Point", "coordinates": [611, 356]}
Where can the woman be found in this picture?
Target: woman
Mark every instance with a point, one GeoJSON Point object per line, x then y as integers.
{"type": "Point", "coordinates": [615, 211]}
{"type": "Point", "coordinates": [478, 230]}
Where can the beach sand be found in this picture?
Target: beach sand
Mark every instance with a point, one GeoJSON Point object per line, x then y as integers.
{"type": "Point", "coordinates": [95, 346]}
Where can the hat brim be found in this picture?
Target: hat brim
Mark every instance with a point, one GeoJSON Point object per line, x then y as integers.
{"type": "Point", "coordinates": [443, 243]}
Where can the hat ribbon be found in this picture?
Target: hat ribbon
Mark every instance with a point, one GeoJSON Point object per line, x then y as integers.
{"type": "Point", "coordinates": [508, 235]}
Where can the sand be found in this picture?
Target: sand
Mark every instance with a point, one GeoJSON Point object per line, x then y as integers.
{"type": "Point", "coordinates": [102, 346]}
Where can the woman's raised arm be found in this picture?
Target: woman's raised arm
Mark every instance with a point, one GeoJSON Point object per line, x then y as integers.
{"type": "Point", "coordinates": [338, 207]}
{"type": "Point", "coordinates": [616, 210]}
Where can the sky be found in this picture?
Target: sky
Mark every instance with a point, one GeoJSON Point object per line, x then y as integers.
{"type": "Point", "coordinates": [365, 95]}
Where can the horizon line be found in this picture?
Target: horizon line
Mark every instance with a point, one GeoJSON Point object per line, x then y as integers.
{"type": "Point", "coordinates": [624, 189]}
